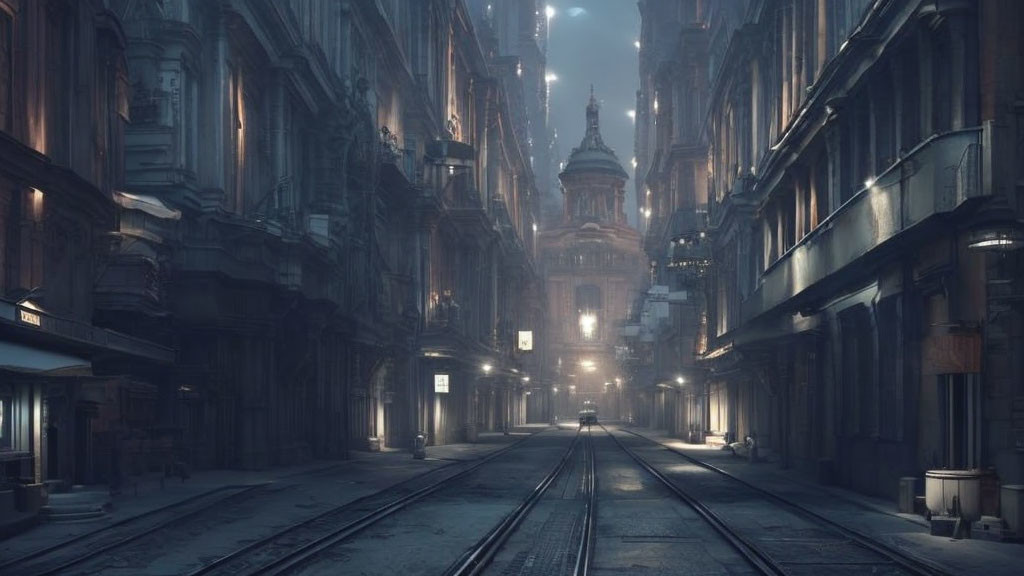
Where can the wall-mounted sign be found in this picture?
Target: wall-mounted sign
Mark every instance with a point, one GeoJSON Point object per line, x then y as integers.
{"type": "Point", "coordinates": [29, 317]}
{"type": "Point", "coordinates": [440, 383]}
{"type": "Point", "coordinates": [526, 340]}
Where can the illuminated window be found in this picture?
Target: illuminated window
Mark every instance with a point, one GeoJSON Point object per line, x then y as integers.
{"type": "Point", "coordinates": [588, 307]}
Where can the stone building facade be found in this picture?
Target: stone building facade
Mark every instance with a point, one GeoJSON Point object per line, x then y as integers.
{"type": "Point", "coordinates": [592, 269]}
{"type": "Point", "coordinates": [863, 183]}
{"type": "Point", "coordinates": [668, 331]}
{"type": "Point", "coordinates": [79, 403]}
{"type": "Point", "coordinates": [249, 233]}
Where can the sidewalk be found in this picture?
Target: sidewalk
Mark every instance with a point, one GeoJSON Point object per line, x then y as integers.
{"type": "Point", "coordinates": [362, 474]}
{"type": "Point", "coordinates": [872, 517]}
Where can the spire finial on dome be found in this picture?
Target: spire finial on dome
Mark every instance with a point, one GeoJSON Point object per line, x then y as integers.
{"type": "Point", "coordinates": [593, 136]}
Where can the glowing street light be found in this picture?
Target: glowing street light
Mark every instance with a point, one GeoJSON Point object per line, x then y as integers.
{"type": "Point", "coordinates": [487, 368]}
{"type": "Point", "coordinates": [588, 323]}
{"type": "Point", "coordinates": [680, 380]}
{"type": "Point", "coordinates": [551, 77]}
{"type": "Point", "coordinates": [631, 114]}
{"type": "Point", "coordinates": [549, 11]}
{"type": "Point", "coordinates": [637, 44]}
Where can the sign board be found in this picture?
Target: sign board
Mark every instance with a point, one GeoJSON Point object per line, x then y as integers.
{"type": "Point", "coordinates": [440, 383]}
{"type": "Point", "coordinates": [951, 353]}
{"type": "Point", "coordinates": [526, 340]}
{"type": "Point", "coordinates": [29, 317]}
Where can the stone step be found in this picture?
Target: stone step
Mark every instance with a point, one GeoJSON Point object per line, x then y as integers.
{"type": "Point", "coordinates": [76, 506]}
{"type": "Point", "coordinates": [68, 517]}
{"type": "Point", "coordinates": [72, 508]}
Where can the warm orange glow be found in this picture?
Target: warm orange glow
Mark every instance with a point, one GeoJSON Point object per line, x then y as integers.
{"type": "Point", "coordinates": [36, 205]}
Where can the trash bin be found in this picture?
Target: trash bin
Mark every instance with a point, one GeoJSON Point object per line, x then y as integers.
{"type": "Point", "coordinates": [419, 446]}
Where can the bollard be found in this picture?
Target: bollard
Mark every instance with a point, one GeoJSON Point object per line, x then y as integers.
{"type": "Point", "coordinates": [419, 447]}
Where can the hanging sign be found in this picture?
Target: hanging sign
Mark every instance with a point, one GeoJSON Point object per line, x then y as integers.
{"type": "Point", "coordinates": [526, 340]}
{"type": "Point", "coordinates": [29, 317]}
{"type": "Point", "coordinates": [440, 383]}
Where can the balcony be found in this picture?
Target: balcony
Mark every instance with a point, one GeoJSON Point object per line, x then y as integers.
{"type": "Point", "coordinates": [935, 178]}
{"type": "Point", "coordinates": [689, 256]}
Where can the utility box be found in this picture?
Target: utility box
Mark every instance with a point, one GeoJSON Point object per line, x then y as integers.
{"type": "Point", "coordinates": [908, 491]}
{"type": "Point", "coordinates": [1012, 508]}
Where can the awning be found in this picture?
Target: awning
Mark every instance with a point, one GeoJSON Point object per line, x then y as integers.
{"type": "Point", "coordinates": [28, 359]}
{"type": "Point", "coordinates": [149, 204]}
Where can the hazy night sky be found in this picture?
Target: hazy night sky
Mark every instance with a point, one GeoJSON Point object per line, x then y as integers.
{"type": "Point", "coordinates": [591, 42]}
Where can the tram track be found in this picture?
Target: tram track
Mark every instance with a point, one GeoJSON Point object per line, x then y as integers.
{"type": "Point", "coordinates": [302, 543]}
{"type": "Point", "coordinates": [77, 550]}
{"type": "Point", "coordinates": [821, 533]}
{"type": "Point", "coordinates": [477, 558]}
{"type": "Point", "coordinates": [131, 536]}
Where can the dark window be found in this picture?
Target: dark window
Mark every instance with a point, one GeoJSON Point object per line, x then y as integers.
{"type": "Point", "coordinates": [960, 411]}
{"type": "Point", "coordinates": [6, 427]}
{"type": "Point", "coordinates": [6, 69]}
{"type": "Point", "coordinates": [890, 368]}
{"type": "Point", "coordinates": [942, 79]}
{"type": "Point", "coordinates": [859, 391]}
{"type": "Point", "coordinates": [910, 97]}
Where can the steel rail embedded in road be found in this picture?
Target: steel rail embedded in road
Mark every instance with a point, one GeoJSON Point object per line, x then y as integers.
{"type": "Point", "coordinates": [94, 549]}
{"type": "Point", "coordinates": [308, 551]}
{"type": "Point", "coordinates": [586, 550]}
{"type": "Point", "coordinates": [910, 564]}
{"type": "Point", "coordinates": [478, 557]}
{"type": "Point", "coordinates": [748, 550]}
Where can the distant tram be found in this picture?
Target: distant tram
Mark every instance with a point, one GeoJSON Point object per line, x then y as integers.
{"type": "Point", "coordinates": [588, 415]}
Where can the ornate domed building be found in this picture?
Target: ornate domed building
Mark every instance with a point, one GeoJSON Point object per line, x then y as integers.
{"type": "Point", "coordinates": [592, 267]}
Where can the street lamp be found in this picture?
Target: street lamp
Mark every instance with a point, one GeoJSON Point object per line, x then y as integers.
{"type": "Point", "coordinates": [680, 380]}
{"type": "Point", "coordinates": [487, 368]}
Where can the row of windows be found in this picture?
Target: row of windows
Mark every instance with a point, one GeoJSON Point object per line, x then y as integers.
{"type": "Point", "coordinates": [593, 259]}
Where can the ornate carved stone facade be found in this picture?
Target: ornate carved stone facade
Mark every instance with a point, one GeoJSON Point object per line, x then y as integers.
{"type": "Point", "coordinates": [325, 208]}
{"type": "Point", "coordinates": [78, 402]}
{"type": "Point", "coordinates": [863, 225]}
{"type": "Point", "coordinates": [593, 269]}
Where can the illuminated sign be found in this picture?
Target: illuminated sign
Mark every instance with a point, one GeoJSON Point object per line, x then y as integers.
{"type": "Point", "coordinates": [526, 340]}
{"type": "Point", "coordinates": [440, 383]}
{"type": "Point", "coordinates": [29, 317]}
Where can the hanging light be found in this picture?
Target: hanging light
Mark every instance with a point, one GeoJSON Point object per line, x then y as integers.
{"type": "Point", "coordinates": [995, 228]}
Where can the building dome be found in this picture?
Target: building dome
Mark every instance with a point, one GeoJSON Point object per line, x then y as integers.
{"type": "Point", "coordinates": [593, 155]}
